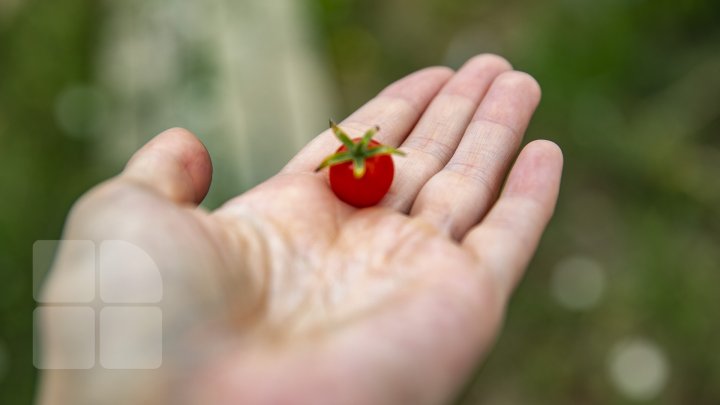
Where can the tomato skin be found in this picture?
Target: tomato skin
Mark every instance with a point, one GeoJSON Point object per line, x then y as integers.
{"type": "Point", "coordinates": [367, 190]}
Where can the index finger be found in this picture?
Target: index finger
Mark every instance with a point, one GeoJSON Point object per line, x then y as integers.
{"type": "Point", "coordinates": [396, 110]}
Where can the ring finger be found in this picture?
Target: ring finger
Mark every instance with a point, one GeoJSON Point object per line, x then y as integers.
{"type": "Point", "coordinates": [458, 196]}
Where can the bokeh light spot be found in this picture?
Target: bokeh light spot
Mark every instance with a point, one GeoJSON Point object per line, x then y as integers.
{"type": "Point", "coordinates": [578, 283]}
{"type": "Point", "coordinates": [638, 369]}
{"type": "Point", "coordinates": [81, 110]}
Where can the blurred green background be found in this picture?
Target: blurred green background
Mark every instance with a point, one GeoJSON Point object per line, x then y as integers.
{"type": "Point", "coordinates": [621, 303]}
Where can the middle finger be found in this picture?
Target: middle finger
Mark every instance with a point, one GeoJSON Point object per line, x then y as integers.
{"type": "Point", "coordinates": [436, 136]}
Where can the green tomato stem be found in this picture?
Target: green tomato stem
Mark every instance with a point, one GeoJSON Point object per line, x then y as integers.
{"type": "Point", "coordinates": [357, 152]}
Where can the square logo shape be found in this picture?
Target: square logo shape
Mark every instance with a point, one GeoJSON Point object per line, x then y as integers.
{"type": "Point", "coordinates": [78, 282]}
{"type": "Point", "coordinates": [73, 329]}
{"type": "Point", "coordinates": [128, 275]}
{"type": "Point", "coordinates": [130, 337]}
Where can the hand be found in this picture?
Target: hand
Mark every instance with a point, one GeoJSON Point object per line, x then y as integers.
{"type": "Point", "coordinates": [287, 295]}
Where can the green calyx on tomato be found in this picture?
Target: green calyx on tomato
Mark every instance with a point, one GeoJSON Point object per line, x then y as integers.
{"type": "Point", "coordinates": [357, 151]}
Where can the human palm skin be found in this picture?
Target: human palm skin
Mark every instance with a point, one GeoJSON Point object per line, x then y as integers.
{"type": "Point", "coordinates": [285, 294]}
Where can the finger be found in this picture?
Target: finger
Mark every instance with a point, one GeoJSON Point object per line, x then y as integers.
{"type": "Point", "coordinates": [458, 196]}
{"type": "Point", "coordinates": [396, 110]}
{"type": "Point", "coordinates": [436, 136]}
{"type": "Point", "coordinates": [505, 241]}
{"type": "Point", "coordinates": [175, 164]}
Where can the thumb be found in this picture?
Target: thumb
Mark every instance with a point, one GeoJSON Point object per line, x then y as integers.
{"type": "Point", "coordinates": [175, 164]}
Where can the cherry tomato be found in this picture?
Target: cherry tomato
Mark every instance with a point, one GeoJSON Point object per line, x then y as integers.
{"type": "Point", "coordinates": [361, 169]}
{"type": "Point", "coordinates": [367, 190]}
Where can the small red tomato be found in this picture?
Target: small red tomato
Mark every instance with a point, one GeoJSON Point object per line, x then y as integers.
{"type": "Point", "coordinates": [361, 169]}
{"type": "Point", "coordinates": [369, 189]}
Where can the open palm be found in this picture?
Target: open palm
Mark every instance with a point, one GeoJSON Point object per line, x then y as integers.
{"type": "Point", "coordinates": [285, 294]}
